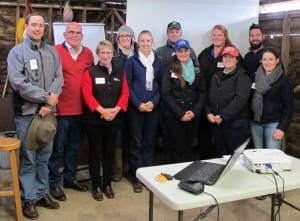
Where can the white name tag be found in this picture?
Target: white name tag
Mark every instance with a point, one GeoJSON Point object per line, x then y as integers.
{"type": "Point", "coordinates": [220, 65]}
{"type": "Point", "coordinates": [33, 64]}
{"type": "Point", "coordinates": [253, 86]}
{"type": "Point", "coordinates": [173, 75]}
{"type": "Point", "coordinates": [100, 80]}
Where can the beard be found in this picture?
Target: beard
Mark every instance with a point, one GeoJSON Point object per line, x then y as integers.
{"type": "Point", "coordinates": [255, 45]}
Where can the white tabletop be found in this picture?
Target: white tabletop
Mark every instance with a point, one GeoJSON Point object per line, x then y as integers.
{"type": "Point", "coordinates": [237, 184]}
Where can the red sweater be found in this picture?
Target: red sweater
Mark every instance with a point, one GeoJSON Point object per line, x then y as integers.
{"type": "Point", "coordinates": [70, 100]}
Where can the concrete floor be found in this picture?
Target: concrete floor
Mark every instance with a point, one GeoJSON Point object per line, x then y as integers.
{"type": "Point", "coordinates": [130, 206]}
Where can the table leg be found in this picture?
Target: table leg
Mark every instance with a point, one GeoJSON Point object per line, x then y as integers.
{"type": "Point", "coordinates": [180, 215]}
{"type": "Point", "coordinates": [273, 207]}
{"type": "Point", "coordinates": [150, 205]}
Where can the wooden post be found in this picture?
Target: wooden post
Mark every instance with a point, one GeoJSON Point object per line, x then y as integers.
{"type": "Point", "coordinates": [285, 46]}
{"type": "Point", "coordinates": [84, 15]}
{"type": "Point", "coordinates": [112, 28]}
{"type": "Point", "coordinates": [118, 16]}
{"type": "Point", "coordinates": [50, 21]}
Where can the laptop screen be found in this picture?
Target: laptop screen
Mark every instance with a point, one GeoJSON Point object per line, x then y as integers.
{"type": "Point", "coordinates": [234, 157]}
{"type": "Point", "coordinates": [209, 172]}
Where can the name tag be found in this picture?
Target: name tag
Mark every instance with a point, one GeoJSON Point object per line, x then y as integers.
{"type": "Point", "coordinates": [100, 80]}
{"type": "Point", "coordinates": [253, 86]}
{"type": "Point", "coordinates": [173, 75]}
{"type": "Point", "coordinates": [220, 65]}
{"type": "Point", "coordinates": [33, 64]}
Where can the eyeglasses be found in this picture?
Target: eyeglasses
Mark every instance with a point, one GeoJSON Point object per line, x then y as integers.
{"type": "Point", "coordinates": [125, 36]}
{"type": "Point", "coordinates": [107, 53]}
{"type": "Point", "coordinates": [75, 32]}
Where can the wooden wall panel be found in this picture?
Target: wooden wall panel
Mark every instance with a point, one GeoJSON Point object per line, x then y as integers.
{"type": "Point", "coordinates": [288, 26]}
{"type": "Point", "coordinates": [84, 11]}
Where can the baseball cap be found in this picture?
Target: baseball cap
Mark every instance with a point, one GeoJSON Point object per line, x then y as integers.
{"type": "Point", "coordinates": [231, 50]}
{"type": "Point", "coordinates": [182, 43]}
{"type": "Point", "coordinates": [174, 25]}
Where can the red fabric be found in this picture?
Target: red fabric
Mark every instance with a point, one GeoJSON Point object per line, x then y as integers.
{"type": "Point", "coordinates": [90, 100]}
{"type": "Point", "coordinates": [70, 100]}
{"type": "Point", "coordinates": [28, 8]}
{"type": "Point", "coordinates": [123, 100]}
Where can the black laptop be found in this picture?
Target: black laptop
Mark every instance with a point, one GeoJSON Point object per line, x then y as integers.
{"type": "Point", "coordinates": [207, 172]}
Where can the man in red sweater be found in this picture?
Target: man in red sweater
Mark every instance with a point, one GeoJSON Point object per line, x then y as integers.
{"type": "Point", "coordinates": [75, 59]}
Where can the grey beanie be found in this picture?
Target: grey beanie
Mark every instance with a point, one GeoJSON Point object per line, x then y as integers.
{"type": "Point", "coordinates": [126, 29]}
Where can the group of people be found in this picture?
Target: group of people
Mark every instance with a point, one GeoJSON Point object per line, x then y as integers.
{"type": "Point", "coordinates": [119, 102]}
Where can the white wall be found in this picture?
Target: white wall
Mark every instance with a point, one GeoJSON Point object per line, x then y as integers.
{"type": "Point", "coordinates": [197, 17]}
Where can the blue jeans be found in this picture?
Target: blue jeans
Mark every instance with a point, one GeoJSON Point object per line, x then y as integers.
{"type": "Point", "coordinates": [143, 127]}
{"type": "Point", "coordinates": [66, 147]}
{"type": "Point", "coordinates": [33, 172]}
{"type": "Point", "coordinates": [262, 135]}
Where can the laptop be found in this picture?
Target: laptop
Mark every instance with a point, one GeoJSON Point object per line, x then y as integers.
{"type": "Point", "coordinates": [207, 172]}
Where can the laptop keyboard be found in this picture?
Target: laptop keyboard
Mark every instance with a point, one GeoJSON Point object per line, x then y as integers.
{"type": "Point", "coordinates": [208, 171]}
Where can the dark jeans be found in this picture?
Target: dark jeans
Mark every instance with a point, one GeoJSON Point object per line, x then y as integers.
{"type": "Point", "coordinates": [143, 127]}
{"type": "Point", "coordinates": [181, 139]}
{"type": "Point", "coordinates": [229, 135]}
{"type": "Point", "coordinates": [102, 143]}
{"type": "Point", "coordinates": [66, 147]}
{"type": "Point", "coordinates": [205, 139]}
{"type": "Point", "coordinates": [123, 133]}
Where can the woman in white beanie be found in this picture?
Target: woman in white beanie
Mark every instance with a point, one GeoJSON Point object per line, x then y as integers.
{"type": "Point", "coordinates": [124, 47]}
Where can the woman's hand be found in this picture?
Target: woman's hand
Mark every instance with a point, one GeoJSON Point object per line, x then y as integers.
{"type": "Point", "coordinates": [185, 118]}
{"type": "Point", "coordinates": [211, 118]}
{"type": "Point", "coordinates": [218, 119]}
{"type": "Point", "coordinates": [188, 116]}
{"type": "Point", "coordinates": [214, 119]}
{"type": "Point", "coordinates": [142, 107]}
{"type": "Point", "coordinates": [115, 111]}
{"type": "Point", "coordinates": [278, 135]}
{"type": "Point", "coordinates": [146, 107]}
{"type": "Point", "coordinates": [149, 105]}
{"type": "Point", "coordinates": [108, 114]}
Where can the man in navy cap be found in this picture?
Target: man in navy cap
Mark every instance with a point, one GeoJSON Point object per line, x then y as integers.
{"type": "Point", "coordinates": [174, 33]}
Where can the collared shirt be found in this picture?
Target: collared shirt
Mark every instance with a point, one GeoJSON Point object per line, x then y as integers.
{"type": "Point", "coordinates": [74, 54]}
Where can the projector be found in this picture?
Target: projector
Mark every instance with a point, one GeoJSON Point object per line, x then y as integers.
{"type": "Point", "coordinates": [260, 160]}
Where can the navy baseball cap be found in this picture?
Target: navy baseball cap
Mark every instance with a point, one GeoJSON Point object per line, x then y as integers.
{"type": "Point", "coordinates": [182, 43]}
{"type": "Point", "coordinates": [174, 25]}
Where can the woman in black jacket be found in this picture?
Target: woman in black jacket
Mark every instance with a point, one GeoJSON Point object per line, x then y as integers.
{"type": "Point", "coordinates": [227, 106]}
{"type": "Point", "coordinates": [272, 102]}
{"type": "Point", "coordinates": [183, 93]}
{"type": "Point", "coordinates": [210, 60]}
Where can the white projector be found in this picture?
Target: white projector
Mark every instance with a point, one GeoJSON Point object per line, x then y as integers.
{"type": "Point", "coordinates": [260, 160]}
